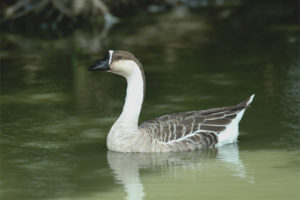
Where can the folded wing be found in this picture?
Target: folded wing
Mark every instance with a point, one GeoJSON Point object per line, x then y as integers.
{"type": "Point", "coordinates": [192, 130]}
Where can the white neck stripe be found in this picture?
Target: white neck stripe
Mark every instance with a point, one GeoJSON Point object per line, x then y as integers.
{"type": "Point", "coordinates": [110, 55]}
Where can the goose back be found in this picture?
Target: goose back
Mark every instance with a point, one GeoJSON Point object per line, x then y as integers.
{"type": "Point", "coordinates": [192, 130]}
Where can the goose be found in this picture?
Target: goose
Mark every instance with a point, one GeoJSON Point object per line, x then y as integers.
{"type": "Point", "coordinates": [184, 131]}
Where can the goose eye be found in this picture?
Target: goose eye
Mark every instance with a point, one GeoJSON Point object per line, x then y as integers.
{"type": "Point", "coordinates": [119, 57]}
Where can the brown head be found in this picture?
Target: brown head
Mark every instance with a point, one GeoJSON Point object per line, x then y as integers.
{"type": "Point", "coordinates": [120, 62]}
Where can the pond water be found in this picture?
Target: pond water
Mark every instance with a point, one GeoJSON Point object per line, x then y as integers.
{"type": "Point", "coordinates": [55, 114]}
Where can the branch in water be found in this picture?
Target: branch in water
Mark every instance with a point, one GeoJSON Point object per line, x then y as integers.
{"type": "Point", "coordinates": [63, 9]}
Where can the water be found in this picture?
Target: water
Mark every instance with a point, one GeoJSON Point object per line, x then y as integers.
{"type": "Point", "coordinates": [55, 114]}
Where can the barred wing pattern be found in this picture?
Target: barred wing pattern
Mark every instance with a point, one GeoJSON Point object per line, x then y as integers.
{"type": "Point", "coordinates": [192, 130]}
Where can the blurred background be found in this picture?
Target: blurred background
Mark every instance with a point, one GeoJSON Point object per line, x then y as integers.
{"type": "Point", "coordinates": [197, 54]}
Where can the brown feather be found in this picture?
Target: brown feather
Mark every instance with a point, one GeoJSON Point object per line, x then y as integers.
{"type": "Point", "coordinates": [194, 129]}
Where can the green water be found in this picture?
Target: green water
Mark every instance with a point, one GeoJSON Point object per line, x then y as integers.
{"type": "Point", "coordinates": [55, 114]}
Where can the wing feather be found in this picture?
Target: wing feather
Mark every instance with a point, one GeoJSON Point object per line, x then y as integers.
{"type": "Point", "coordinates": [194, 129]}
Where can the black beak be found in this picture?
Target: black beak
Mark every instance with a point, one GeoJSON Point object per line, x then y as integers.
{"type": "Point", "coordinates": [103, 64]}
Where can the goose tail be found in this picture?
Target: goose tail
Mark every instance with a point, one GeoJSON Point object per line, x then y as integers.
{"type": "Point", "coordinates": [243, 105]}
{"type": "Point", "coordinates": [247, 101]}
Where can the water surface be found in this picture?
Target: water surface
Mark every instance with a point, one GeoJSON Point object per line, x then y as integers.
{"type": "Point", "coordinates": [55, 114]}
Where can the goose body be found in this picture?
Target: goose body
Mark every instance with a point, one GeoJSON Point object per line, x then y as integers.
{"type": "Point", "coordinates": [173, 132]}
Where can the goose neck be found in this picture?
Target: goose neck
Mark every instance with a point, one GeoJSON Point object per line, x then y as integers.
{"type": "Point", "coordinates": [134, 98]}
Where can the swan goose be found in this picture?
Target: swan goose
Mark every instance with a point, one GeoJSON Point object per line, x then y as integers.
{"type": "Point", "coordinates": [172, 132]}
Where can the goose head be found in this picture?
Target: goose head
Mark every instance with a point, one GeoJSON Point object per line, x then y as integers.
{"type": "Point", "coordinates": [118, 62]}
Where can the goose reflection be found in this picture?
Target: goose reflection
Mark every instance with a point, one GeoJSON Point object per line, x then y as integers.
{"type": "Point", "coordinates": [125, 166]}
